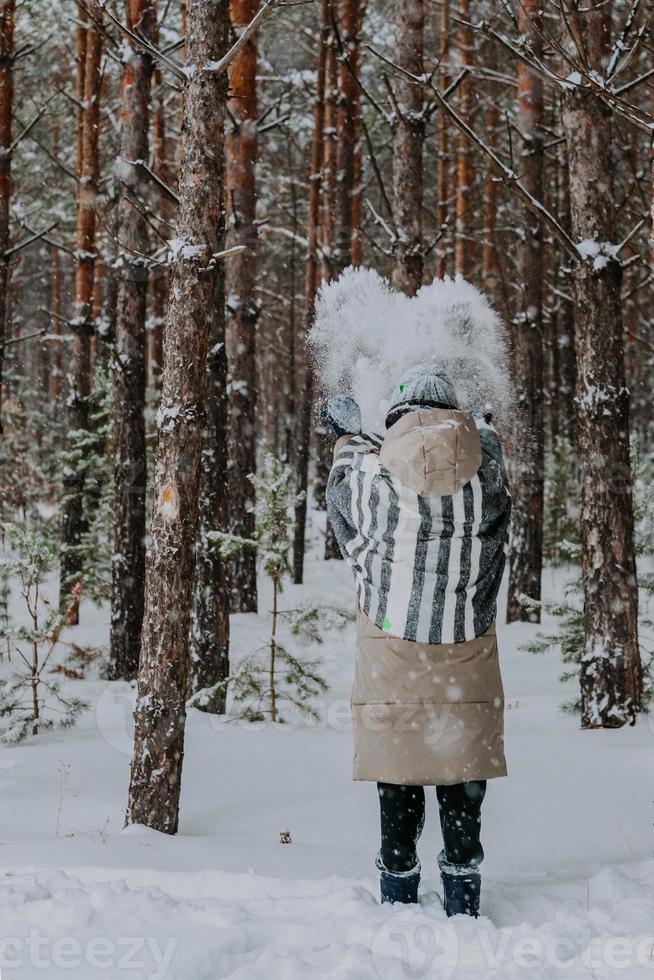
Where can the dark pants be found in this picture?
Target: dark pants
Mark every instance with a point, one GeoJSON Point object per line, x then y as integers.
{"type": "Point", "coordinates": [403, 815]}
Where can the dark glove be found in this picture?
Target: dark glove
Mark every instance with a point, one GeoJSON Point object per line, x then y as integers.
{"type": "Point", "coordinates": [486, 415]}
{"type": "Point", "coordinates": [343, 415]}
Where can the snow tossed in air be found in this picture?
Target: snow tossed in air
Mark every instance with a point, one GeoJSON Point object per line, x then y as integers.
{"type": "Point", "coordinates": [366, 338]}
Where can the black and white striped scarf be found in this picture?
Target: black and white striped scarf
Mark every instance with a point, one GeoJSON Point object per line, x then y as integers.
{"type": "Point", "coordinates": [427, 568]}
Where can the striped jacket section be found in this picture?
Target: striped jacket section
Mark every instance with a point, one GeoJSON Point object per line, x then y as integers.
{"type": "Point", "coordinates": [427, 568]}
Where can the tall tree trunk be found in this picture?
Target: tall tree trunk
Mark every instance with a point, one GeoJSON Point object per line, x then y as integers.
{"type": "Point", "coordinates": [56, 307]}
{"type": "Point", "coordinates": [611, 677]}
{"type": "Point", "coordinates": [89, 61]}
{"type": "Point", "coordinates": [7, 25]}
{"type": "Point", "coordinates": [565, 324]}
{"type": "Point", "coordinates": [128, 559]}
{"type": "Point", "coordinates": [211, 603]}
{"type": "Point", "coordinates": [323, 445]}
{"type": "Point", "coordinates": [350, 17]}
{"type": "Point", "coordinates": [100, 277]}
{"type": "Point", "coordinates": [43, 355]}
{"type": "Point", "coordinates": [242, 304]}
{"type": "Point", "coordinates": [330, 144]}
{"type": "Point", "coordinates": [443, 192]}
{"type": "Point", "coordinates": [159, 276]}
{"type": "Point", "coordinates": [56, 361]}
{"type": "Point", "coordinates": [350, 20]}
{"type": "Point", "coordinates": [489, 264]}
{"type": "Point", "coordinates": [357, 200]}
{"type": "Point", "coordinates": [463, 250]}
{"type": "Point", "coordinates": [284, 398]}
{"type": "Point", "coordinates": [312, 275]}
{"type": "Point", "coordinates": [408, 140]}
{"type": "Point", "coordinates": [356, 256]}
{"type": "Point", "coordinates": [160, 714]}
{"type": "Point", "coordinates": [527, 524]}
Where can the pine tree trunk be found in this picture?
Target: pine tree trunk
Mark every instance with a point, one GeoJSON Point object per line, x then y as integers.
{"type": "Point", "coordinates": [211, 603]}
{"type": "Point", "coordinates": [163, 686]}
{"type": "Point", "coordinates": [56, 308]}
{"type": "Point", "coordinates": [284, 398]}
{"type": "Point", "coordinates": [565, 323]}
{"type": "Point", "coordinates": [463, 250]}
{"type": "Point", "coordinates": [159, 276]}
{"type": "Point", "coordinates": [443, 152]}
{"type": "Point", "coordinates": [489, 265]}
{"type": "Point", "coordinates": [56, 361]}
{"type": "Point", "coordinates": [7, 25]}
{"type": "Point", "coordinates": [356, 247]}
{"type": "Point", "coordinates": [350, 17]}
{"type": "Point", "coordinates": [54, 386]}
{"type": "Point", "coordinates": [330, 143]}
{"type": "Point", "coordinates": [408, 140]}
{"type": "Point", "coordinates": [89, 59]}
{"type": "Point", "coordinates": [527, 521]}
{"type": "Point", "coordinates": [159, 292]}
{"type": "Point", "coordinates": [312, 275]}
{"type": "Point", "coordinates": [322, 444]}
{"type": "Point", "coordinates": [611, 680]}
{"type": "Point", "coordinates": [242, 304]}
{"type": "Point", "coordinates": [357, 199]}
{"type": "Point", "coordinates": [128, 559]}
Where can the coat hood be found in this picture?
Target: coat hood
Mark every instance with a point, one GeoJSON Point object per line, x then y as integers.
{"type": "Point", "coordinates": [434, 452]}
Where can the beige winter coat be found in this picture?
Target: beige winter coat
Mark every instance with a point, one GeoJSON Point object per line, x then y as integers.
{"type": "Point", "coordinates": [427, 713]}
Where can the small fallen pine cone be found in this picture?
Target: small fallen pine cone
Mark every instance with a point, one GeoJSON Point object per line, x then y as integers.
{"type": "Point", "coordinates": [285, 837]}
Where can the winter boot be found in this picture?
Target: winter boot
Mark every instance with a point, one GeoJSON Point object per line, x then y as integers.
{"type": "Point", "coordinates": [461, 887]}
{"type": "Point", "coordinates": [399, 886]}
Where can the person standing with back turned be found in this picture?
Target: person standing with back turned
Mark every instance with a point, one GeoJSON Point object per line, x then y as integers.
{"type": "Point", "coordinates": [422, 518]}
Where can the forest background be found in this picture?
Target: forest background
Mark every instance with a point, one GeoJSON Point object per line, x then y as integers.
{"type": "Point", "coordinates": [176, 183]}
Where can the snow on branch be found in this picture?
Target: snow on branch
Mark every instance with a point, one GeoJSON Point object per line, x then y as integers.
{"type": "Point", "coordinates": [616, 66]}
{"type": "Point", "coordinates": [140, 42]}
{"type": "Point", "coordinates": [259, 18]}
{"type": "Point", "coordinates": [621, 39]}
{"type": "Point", "coordinates": [578, 78]}
{"type": "Point", "coordinates": [184, 74]}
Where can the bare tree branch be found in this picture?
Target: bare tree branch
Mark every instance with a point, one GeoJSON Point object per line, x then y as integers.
{"type": "Point", "coordinates": [19, 340]}
{"type": "Point", "coordinates": [140, 42]}
{"type": "Point", "coordinates": [633, 114]}
{"type": "Point", "coordinates": [161, 184]}
{"type": "Point", "coordinates": [264, 13]}
{"type": "Point", "coordinates": [621, 39]}
{"type": "Point", "coordinates": [505, 173]}
{"type": "Point", "coordinates": [32, 123]}
{"type": "Point", "coordinates": [28, 241]}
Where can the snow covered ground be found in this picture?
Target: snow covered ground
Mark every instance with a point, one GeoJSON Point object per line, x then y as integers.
{"type": "Point", "coordinates": [568, 879]}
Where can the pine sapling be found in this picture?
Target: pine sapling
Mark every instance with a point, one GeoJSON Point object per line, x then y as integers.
{"type": "Point", "coordinates": [30, 702]}
{"type": "Point", "coordinates": [259, 685]}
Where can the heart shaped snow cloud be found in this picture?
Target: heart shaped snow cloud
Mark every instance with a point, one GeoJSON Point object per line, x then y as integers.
{"type": "Point", "coordinates": [366, 337]}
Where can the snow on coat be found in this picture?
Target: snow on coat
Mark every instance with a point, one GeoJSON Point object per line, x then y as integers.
{"type": "Point", "coordinates": [422, 518]}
